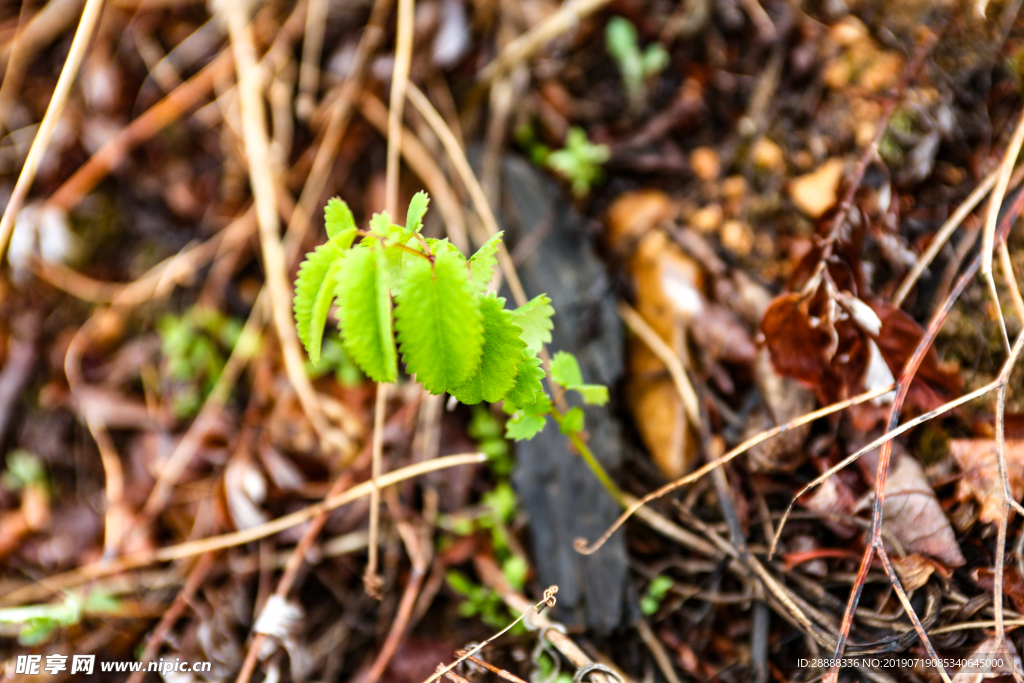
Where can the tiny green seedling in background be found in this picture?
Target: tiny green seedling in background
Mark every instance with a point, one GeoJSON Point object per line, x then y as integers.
{"type": "Point", "coordinates": [657, 589]}
{"type": "Point", "coordinates": [194, 346]}
{"type": "Point", "coordinates": [636, 66]}
{"type": "Point", "coordinates": [452, 334]}
{"type": "Point", "coordinates": [580, 162]}
{"type": "Point", "coordinates": [36, 623]}
{"type": "Point", "coordinates": [24, 469]}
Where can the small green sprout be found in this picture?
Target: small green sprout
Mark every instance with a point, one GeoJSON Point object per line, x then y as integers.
{"type": "Point", "coordinates": [580, 162]}
{"type": "Point", "coordinates": [486, 430]}
{"type": "Point", "coordinates": [635, 66]}
{"type": "Point", "coordinates": [194, 346]}
{"type": "Point", "coordinates": [38, 622]}
{"type": "Point", "coordinates": [24, 469]}
{"type": "Point", "coordinates": [657, 589]}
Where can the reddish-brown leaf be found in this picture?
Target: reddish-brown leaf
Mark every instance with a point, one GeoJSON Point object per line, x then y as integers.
{"type": "Point", "coordinates": [933, 384]}
{"type": "Point", "coordinates": [980, 466]}
{"type": "Point", "coordinates": [795, 345]}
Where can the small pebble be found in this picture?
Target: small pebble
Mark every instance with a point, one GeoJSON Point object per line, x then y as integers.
{"type": "Point", "coordinates": [737, 237]}
{"type": "Point", "coordinates": [705, 163]}
{"type": "Point", "coordinates": [707, 219]}
{"type": "Point", "coordinates": [768, 156]}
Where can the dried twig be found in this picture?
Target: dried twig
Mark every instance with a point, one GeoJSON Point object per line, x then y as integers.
{"type": "Point", "coordinates": [54, 109]}
{"type": "Point", "coordinates": [181, 600]}
{"type": "Point", "coordinates": [469, 179]}
{"type": "Point", "coordinates": [942, 235]}
{"type": "Point", "coordinates": [309, 71]}
{"type": "Point", "coordinates": [565, 19]}
{"type": "Point", "coordinates": [103, 568]}
{"type": "Point", "coordinates": [582, 545]}
{"type": "Point", "coordinates": [265, 197]}
{"type": "Point", "coordinates": [635, 322]}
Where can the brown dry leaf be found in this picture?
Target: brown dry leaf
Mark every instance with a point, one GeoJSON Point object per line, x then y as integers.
{"type": "Point", "coordinates": [784, 400]}
{"type": "Point", "coordinates": [815, 192]}
{"type": "Point", "coordinates": [667, 283]}
{"type": "Point", "coordinates": [795, 345]}
{"type": "Point", "coordinates": [913, 570]}
{"type": "Point", "coordinates": [977, 459]}
{"type": "Point", "coordinates": [1013, 584]}
{"type": "Point", "coordinates": [832, 497]}
{"type": "Point", "coordinates": [911, 512]}
{"type": "Point", "coordinates": [933, 384]}
{"type": "Point", "coordinates": [990, 648]}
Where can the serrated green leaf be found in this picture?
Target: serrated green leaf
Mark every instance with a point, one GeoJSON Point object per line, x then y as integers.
{"type": "Point", "coordinates": [534, 317]}
{"type": "Point", "coordinates": [523, 426]}
{"type": "Point", "coordinates": [440, 327]}
{"type": "Point", "coordinates": [529, 376]}
{"type": "Point", "coordinates": [482, 263]}
{"type": "Point", "coordinates": [436, 245]}
{"type": "Point", "coordinates": [499, 360]}
{"type": "Point", "coordinates": [592, 394]}
{"type": "Point", "coordinates": [364, 309]}
{"type": "Point", "coordinates": [572, 421]}
{"type": "Point", "coordinates": [380, 224]}
{"type": "Point", "coordinates": [314, 289]}
{"type": "Point", "coordinates": [540, 407]}
{"type": "Point", "coordinates": [338, 217]}
{"type": "Point", "coordinates": [417, 209]}
{"type": "Point", "coordinates": [565, 370]}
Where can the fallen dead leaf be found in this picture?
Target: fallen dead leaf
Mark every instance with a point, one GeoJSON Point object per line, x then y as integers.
{"type": "Point", "coordinates": [784, 400]}
{"type": "Point", "coordinates": [1013, 584]}
{"type": "Point", "coordinates": [815, 192]}
{"type": "Point", "coordinates": [911, 511]}
{"type": "Point", "coordinates": [977, 459]}
{"type": "Point", "coordinates": [913, 570]}
{"type": "Point", "coordinates": [986, 649]}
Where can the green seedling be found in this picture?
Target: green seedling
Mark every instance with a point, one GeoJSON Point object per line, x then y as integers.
{"type": "Point", "coordinates": [452, 334]}
{"type": "Point", "coordinates": [657, 589]}
{"type": "Point", "coordinates": [636, 66]}
{"type": "Point", "coordinates": [24, 470]}
{"type": "Point", "coordinates": [36, 623]}
{"type": "Point", "coordinates": [487, 431]}
{"type": "Point", "coordinates": [194, 347]}
{"type": "Point", "coordinates": [579, 162]}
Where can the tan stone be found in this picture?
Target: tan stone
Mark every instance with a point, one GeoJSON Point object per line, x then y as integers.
{"type": "Point", "coordinates": [705, 163]}
{"type": "Point", "coordinates": [815, 192]}
{"type": "Point", "coordinates": [768, 156]}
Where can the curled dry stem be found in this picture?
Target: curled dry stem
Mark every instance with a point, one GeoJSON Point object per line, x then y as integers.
{"type": "Point", "coordinates": [124, 563]}
{"type": "Point", "coordinates": [581, 543]}
{"type": "Point", "coordinates": [68, 73]}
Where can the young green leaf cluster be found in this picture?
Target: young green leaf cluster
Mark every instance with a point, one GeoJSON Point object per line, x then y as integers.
{"type": "Point", "coordinates": [452, 334]}
{"type": "Point", "coordinates": [527, 420]}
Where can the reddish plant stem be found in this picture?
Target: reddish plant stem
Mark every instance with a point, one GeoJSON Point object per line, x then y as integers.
{"type": "Point", "coordinates": [906, 378]}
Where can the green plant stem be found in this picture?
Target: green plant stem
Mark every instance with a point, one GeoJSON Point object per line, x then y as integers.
{"type": "Point", "coordinates": [591, 460]}
{"type": "Point", "coordinates": [384, 240]}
